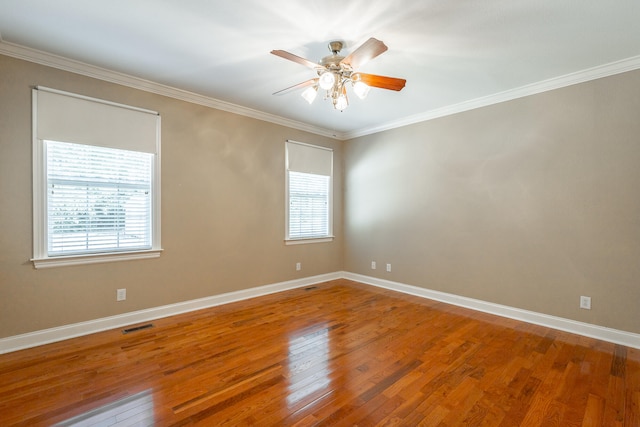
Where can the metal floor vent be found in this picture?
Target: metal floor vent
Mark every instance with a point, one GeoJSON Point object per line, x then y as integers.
{"type": "Point", "coordinates": [137, 328]}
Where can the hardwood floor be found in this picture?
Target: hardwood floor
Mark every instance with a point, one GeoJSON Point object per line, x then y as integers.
{"type": "Point", "coordinates": [338, 353]}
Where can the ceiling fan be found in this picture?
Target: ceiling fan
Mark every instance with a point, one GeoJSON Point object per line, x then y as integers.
{"type": "Point", "coordinates": [336, 72]}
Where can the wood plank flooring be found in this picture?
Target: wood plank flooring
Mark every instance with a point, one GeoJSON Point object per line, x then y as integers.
{"type": "Point", "coordinates": [339, 353]}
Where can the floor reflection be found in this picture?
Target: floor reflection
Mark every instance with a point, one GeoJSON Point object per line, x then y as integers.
{"type": "Point", "coordinates": [308, 365]}
{"type": "Point", "coordinates": [134, 410]}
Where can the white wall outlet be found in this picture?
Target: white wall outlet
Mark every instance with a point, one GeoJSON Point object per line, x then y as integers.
{"type": "Point", "coordinates": [585, 302]}
{"type": "Point", "coordinates": [388, 268]}
{"type": "Point", "coordinates": [298, 266]}
{"type": "Point", "coordinates": [373, 265]}
{"type": "Point", "coordinates": [121, 294]}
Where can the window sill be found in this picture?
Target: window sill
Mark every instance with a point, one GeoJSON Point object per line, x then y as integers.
{"type": "Point", "coordinates": [310, 240]}
{"type": "Point", "coordinates": [94, 258]}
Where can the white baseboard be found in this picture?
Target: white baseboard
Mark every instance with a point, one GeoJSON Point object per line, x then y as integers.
{"type": "Point", "coordinates": [628, 339]}
{"type": "Point", "coordinates": [46, 336]}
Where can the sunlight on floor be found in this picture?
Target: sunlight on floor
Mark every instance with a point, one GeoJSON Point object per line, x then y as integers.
{"type": "Point", "coordinates": [133, 410]}
{"type": "Point", "coordinates": [308, 353]}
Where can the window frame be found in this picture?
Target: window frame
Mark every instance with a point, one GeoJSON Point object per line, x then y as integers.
{"type": "Point", "coordinates": [306, 240]}
{"type": "Point", "coordinates": [41, 258]}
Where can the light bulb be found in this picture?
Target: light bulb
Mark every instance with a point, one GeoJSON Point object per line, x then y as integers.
{"type": "Point", "coordinates": [361, 89]}
{"type": "Point", "coordinates": [327, 79]}
{"type": "Point", "coordinates": [310, 94]}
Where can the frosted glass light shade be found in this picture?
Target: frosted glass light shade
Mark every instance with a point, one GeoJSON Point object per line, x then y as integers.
{"type": "Point", "coordinates": [327, 80]}
{"type": "Point", "coordinates": [341, 102]}
{"type": "Point", "coordinates": [310, 94]}
{"type": "Point", "coordinates": [361, 89]}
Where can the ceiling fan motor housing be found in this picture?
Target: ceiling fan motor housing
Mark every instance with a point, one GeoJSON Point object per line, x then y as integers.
{"type": "Point", "coordinates": [332, 62]}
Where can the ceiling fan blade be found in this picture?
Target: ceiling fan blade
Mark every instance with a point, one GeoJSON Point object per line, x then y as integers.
{"type": "Point", "coordinates": [298, 86]}
{"type": "Point", "coordinates": [382, 82]}
{"type": "Point", "coordinates": [369, 50]}
{"type": "Point", "coordinates": [295, 58]}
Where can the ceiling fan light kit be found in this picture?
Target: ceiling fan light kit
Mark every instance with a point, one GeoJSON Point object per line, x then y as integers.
{"type": "Point", "coordinates": [336, 72]}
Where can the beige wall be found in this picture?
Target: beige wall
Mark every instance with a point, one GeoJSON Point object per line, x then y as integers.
{"type": "Point", "coordinates": [222, 210]}
{"type": "Point", "coordinates": [529, 203]}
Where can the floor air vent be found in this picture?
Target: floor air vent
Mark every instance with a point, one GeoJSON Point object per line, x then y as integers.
{"type": "Point", "coordinates": [137, 328]}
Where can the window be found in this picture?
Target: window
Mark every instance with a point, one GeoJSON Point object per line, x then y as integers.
{"type": "Point", "coordinates": [309, 194]}
{"type": "Point", "coordinates": [96, 180]}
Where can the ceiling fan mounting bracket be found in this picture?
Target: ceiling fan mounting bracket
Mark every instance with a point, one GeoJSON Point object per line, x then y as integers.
{"type": "Point", "coordinates": [335, 46]}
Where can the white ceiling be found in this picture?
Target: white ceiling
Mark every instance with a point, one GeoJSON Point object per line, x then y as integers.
{"type": "Point", "coordinates": [452, 53]}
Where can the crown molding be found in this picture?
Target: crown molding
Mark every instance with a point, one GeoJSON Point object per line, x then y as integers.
{"type": "Point", "coordinates": [77, 67]}
{"type": "Point", "coordinates": [617, 67]}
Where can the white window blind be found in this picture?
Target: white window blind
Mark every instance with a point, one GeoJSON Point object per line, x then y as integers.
{"type": "Point", "coordinates": [98, 199]}
{"type": "Point", "coordinates": [62, 116]}
{"type": "Point", "coordinates": [96, 180]}
{"type": "Point", "coordinates": [309, 159]}
{"type": "Point", "coordinates": [308, 205]}
{"type": "Point", "coordinates": [309, 197]}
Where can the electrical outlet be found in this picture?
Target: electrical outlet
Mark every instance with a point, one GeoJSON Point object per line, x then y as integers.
{"type": "Point", "coordinates": [388, 268]}
{"type": "Point", "coordinates": [585, 302]}
{"type": "Point", "coordinates": [298, 266]}
{"type": "Point", "coordinates": [121, 294]}
{"type": "Point", "coordinates": [373, 265]}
